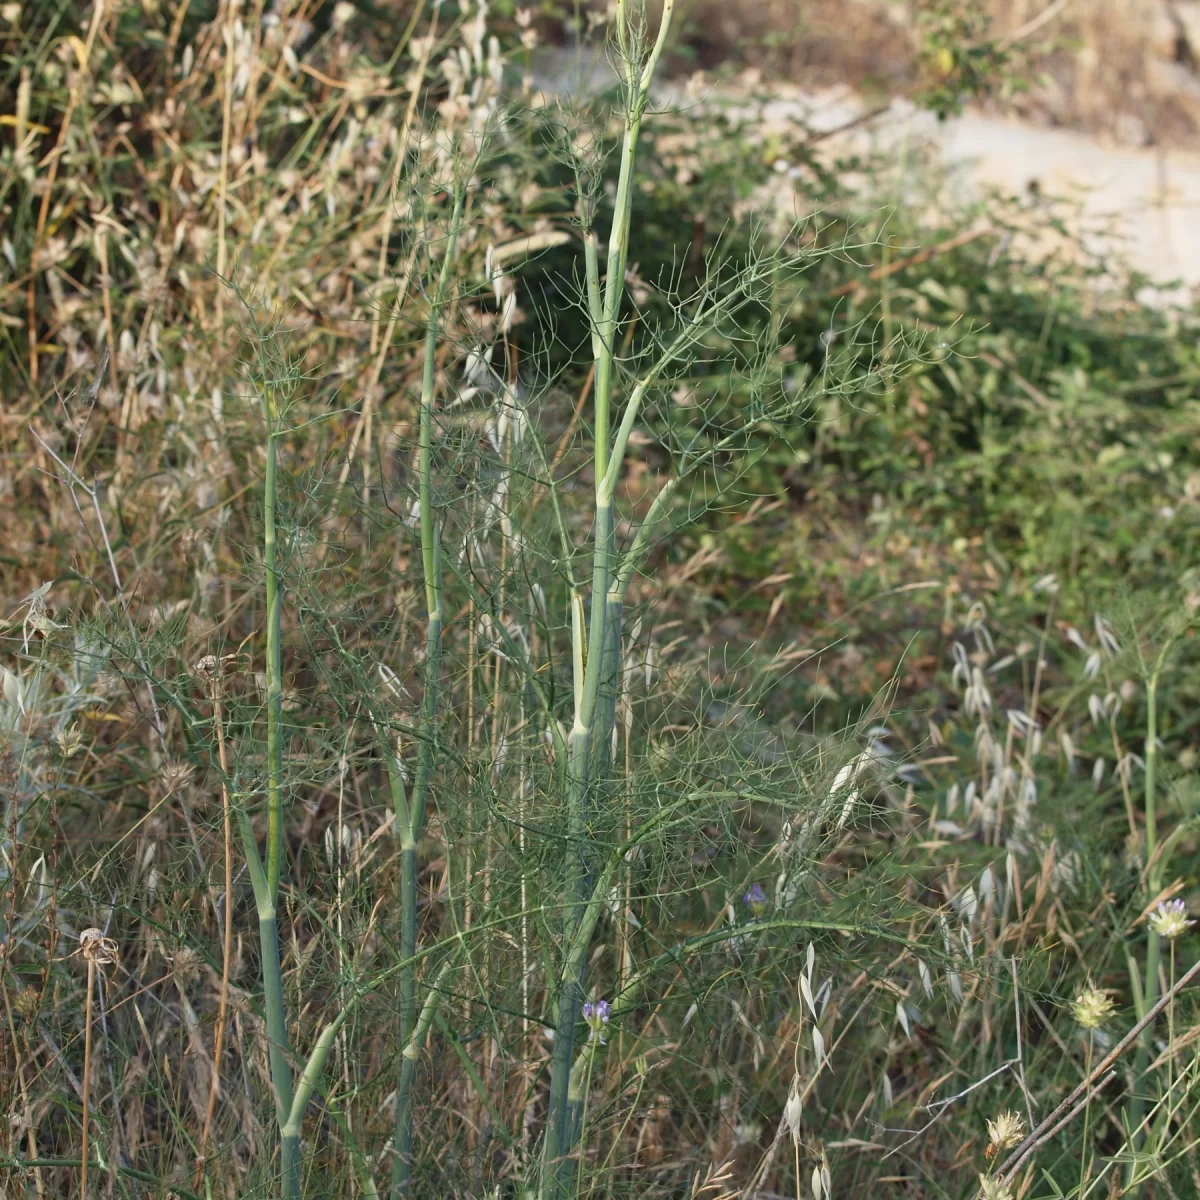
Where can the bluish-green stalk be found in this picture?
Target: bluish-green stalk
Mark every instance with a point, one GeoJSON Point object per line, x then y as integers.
{"type": "Point", "coordinates": [1156, 860]}
{"type": "Point", "coordinates": [264, 876]}
{"type": "Point", "coordinates": [410, 811]}
{"type": "Point", "coordinates": [595, 668]}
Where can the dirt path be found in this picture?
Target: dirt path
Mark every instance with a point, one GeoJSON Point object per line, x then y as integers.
{"type": "Point", "coordinates": [1147, 200]}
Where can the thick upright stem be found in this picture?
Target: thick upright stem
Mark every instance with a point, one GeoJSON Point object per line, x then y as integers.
{"type": "Point", "coordinates": [584, 751]}
{"type": "Point", "coordinates": [1141, 1059]}
{"type": "Point", "coordinates": [274, 599]}
{"type": "Point", "coordinates": [610, 682]}
{"type": "Point", "coordinates": [265, 876]}
{"type": "Point", "coordinates": [410, 830]}
{"type": "Point", "coordinates": [1154, 870]}
{"type": "Point", "coordinates": [227, 927]}
{"type": "Point", "coordinates": [403, 1144]}
{"type": "Point", "coordinates": [596, 674]}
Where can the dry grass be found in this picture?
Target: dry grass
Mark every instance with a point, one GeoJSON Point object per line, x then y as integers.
{"type": "Point", "coordinates": [296, 151]}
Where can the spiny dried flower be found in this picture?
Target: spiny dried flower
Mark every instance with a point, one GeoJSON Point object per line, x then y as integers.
{"type": "Point", "coordinates": [37, 614]}
{"type": "Point", "coordinates": [1170, 919]}
{"type": "Point", "coordinates": [185, 965]}
{"type": "Point", "coordinates": [25, 1002]}
{"type": "Point", "coordinates": [1005, 1132]}
{"type": "Point", "coordinates": [175, 776]}
{"type": "Point", "coordinates": [96, 948]}
{"type": "Point", "coordinates": [207, 668]}
{"type": "Point", "coordinates": [596, 1014]}
{"type": "Point", "coordinates": [1091, 1008]}
{"type": "Point", "coordinates": [992, 1187]}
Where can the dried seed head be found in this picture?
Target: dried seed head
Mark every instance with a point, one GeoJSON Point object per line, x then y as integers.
{"type": "Point", "coordinates": [68, 741]}
{"type": "Point", "coordinates": [1004, 1132]}
{"type": "Point", "coordinates": [793, 1110]}
{"type": "Point", "coordinates": [1092, 1008]}
{"type": "Point", "coordinates": [185, 966]}
{"type": "Point", "coordinates": [25, 1002]}
{"type": "Point", "coordinates": [207, 668]}
{"type": "Point", "coordinates": [174, 777]}
{"type": "Point", "coordinates": [96, 948]}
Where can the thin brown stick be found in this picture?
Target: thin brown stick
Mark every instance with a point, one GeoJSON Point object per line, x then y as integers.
{"type": "Point", "coordinates": [394, 184]}
{"type": "Point", "coordinates": [1012, 962]}
{"type": "Point", "coordinates": [100, 238]}
{"type": "Point", "coordinates": [1067, 1108]}
{"type": "Point", "coordinates": [882, 272]}
{"type": "Point", "coordinates": [563, 442]}
{"type": "Point", "coordinates": [1035, 23]}
{"type": "Point", "coordinates": [173, 41]}
{"type": "Point", "coordinates": [53, 159]}
{"type": "Point", "coordinates": [1079, 1107]}
{"type": "Point", "coordinates": [227, 946]}
{"type": "Point", "coordinates": [572, 424]}
{"type": "Point", "coordinates": [223, 169]}
{"type": "Point", "coordinates": [865, 118]}
{"type": "Point", "coordinates": [26, 1109]}
{"type": "Point", "coordinates": [87, 1075]}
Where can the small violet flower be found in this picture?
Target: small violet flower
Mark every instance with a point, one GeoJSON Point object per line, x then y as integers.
{"type": "Point", "coordinates": [596, 1014]}
{"type": "Point", "coordinates": [756, 899]}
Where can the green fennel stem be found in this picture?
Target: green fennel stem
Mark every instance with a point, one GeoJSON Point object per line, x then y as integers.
{"type": "Point", "coordinates": [410, 830]}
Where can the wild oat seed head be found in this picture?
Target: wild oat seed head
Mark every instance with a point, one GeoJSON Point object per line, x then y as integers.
{"type": "Point", "coordinates": [68, 741]}
{"type": "Point", "coordinates": [96, 948]}
{"type": "Point", "coordinates": [1005, 1131]}
{"type": "Point", "coordinates": [1091, 1008]}
{"type": "Point", "coordinates": [793, 1110]}
{"type": "Point", "coordinates": [1170, 919]}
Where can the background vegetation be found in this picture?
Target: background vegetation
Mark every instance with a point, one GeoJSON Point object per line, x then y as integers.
{"type": "Point", "coordinates": [893, 731]}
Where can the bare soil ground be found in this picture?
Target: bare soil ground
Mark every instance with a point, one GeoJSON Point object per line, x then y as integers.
{"type": "Point", "coordinates": [1124, 69]}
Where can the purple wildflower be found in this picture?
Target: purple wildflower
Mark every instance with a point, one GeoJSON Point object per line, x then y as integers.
{"type": "Point", "coordinates": [596, 1014]}
{"type": "Point", "coordinates": [756, 899]}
